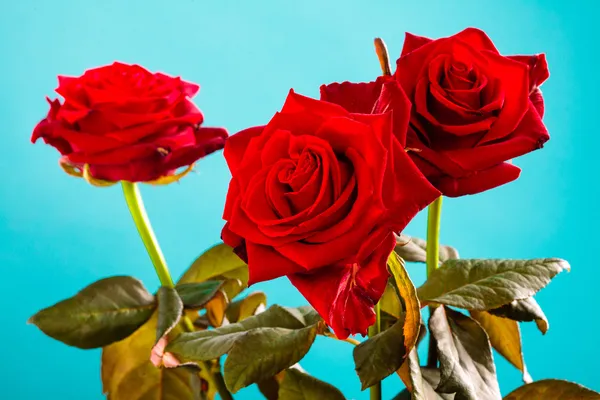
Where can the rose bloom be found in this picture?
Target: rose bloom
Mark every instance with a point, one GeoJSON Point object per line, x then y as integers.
{"type": "Point", "coordinates": [121, 122]}
{"type": "Point", "coordinates": [473, 109]}
{"type": "Point", "coordinates": [317, 195]}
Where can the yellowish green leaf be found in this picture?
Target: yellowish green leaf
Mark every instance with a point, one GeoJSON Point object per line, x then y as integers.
{"type": "Point", "coordinates": [505, 337]}
{"type": "Point", "coordinates": [525, 310]}
{"type": "Point", "coordinates": [553, 389]}
{"type": "Point", "coordinates": [246, 307]}
{"type": "Point", "coordinates": [390, 303]}
{"type": "Point", "coordinates": [409, 299]}
{"type": "Point", "coordinates": [218, 261]}
{"type": "Point", "coordinates": [215, 309]}
{"type": "Point", "coordinates": [128, 373]}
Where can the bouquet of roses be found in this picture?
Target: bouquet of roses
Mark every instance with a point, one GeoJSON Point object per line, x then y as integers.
{"type": "Point", "coordinates": [320, 194]}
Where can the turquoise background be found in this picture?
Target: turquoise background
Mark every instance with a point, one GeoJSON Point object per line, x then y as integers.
{"type": "Point", "coordinates": [58, 234]}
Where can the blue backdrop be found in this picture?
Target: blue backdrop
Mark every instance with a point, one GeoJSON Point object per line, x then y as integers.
{"type": "Point", "coordinates": [57, 234]}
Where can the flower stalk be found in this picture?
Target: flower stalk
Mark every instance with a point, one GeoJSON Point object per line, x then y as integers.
{"type": "Point", "coordinates": [375, 390]}
{"type": "Point", "coordinates": [142, 223]}
{"type": "Point", "coordinates": [432, 262]}
{"type": "Point", "coordinates": [386, 69]}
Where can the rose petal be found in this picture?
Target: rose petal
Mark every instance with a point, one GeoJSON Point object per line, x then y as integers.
{"type": "Point", "coordinates": [354, 97]}
{"type": "Point", "coordinates": [265, 264]}
{"type": "Point", "coordinates": [45, 128]}
{"type": "Point", "coordinates": [530, 135]}
{"type": "Point", "coordinates": [476, 38]}
{"type": "Point", "coordinates": [538, 69]}
{"type": "Point", "coordinates": [296, 103]}
{"type": "Point", "coordinates": [409, 190]}
{"type": "Point", "coordinates": [95, 153]}
{"type": "Point", "coordinates": [234, 241]}
{"type": "Point", "coordinates": [236, 146]}
{"type": "Point", "coordinates": [537, 100]}
{"type": "Point", "coordinates": [82, 142]}
{"type": "Point", "coordinates": [208, 140]}
{"type": "Point", "coordinates": [345, 296]}
{"type": "Point", "coordinates": [323, 218]}
{"type": "Point", "coordinates": [232, 200]}
{"type": "Point", "coordinates": [137, 170]}
{"type": "Point", "coordinates": [479, 181]}
{"type": "Point", "coordinates": [434, 158]}
{"type": "Point", "coordinates": [276, 190]}
{"type": "Point", "coordinates": [447, 115]}
{"type": "Point", "coordinates": [136, 134]}
{"type": "Point", "coordinates": [345, 134]}
{"type": "Point", "coordinates": [122, 117]}
{"type": "Point", "coordinates": [515, 81]}
{"type": "Point", "coordinates": [413, 42]}
{"type": "Point", "coordinates": [393, 99]}
{"type": "Point", "coordinates": [411, 63]}
{"type": "Point", "coordinates": [339, 241]}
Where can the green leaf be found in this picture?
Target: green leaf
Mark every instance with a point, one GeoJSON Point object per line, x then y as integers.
{"type": "Point", "coordinates": [525, 310]}
{"type": "Point", "coordinates": [553, 389]}
{"type": "Point", "coordinates": [505, 337]}
{"type": "Point", "coordinates": [466, 362]}
{"type": "Point", "coordinates": [196, 295]}
{"type": "Point", "coordinates": [170, 310]}
{"type": "Point", "coordinates": [210, 344]}
{"type": "Point", "coordinates": [297, 385]}
{"type": "Point", "coordinates": [384, 353]}
{"type": "Point", "coordinates": [486, 284]}
{"type": "Point", "coordinates": [413, 249]}
{"type": "Point", "coordinates": [246, 307]}
{"type": "Point", "coordinates": [104, 312]}
{"type": "Point", "coordinates": [261, 353]}
{"type": "Point", "coordinates": [218, 261]}
{"type": "Point", "coordinates": [380, 355]}
{"type": "Point", "coordinates": [128, 373]}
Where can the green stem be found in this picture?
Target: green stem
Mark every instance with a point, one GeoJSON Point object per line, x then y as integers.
{"type": "Point", "coordinates": [138, 213]}
{"type": "Point", "coordinates": [142, 222]}
{"type": "Point", "coordinates": [433, 261]}
{"type": "Point", "coordinates": [375, 390]}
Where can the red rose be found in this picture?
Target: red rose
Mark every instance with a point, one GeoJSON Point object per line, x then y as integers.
{"type": "Point", "coordinates": [121, 122]}
{"type": "Point", "coordinates": [473, 109]}
{"type": "Point", "coordinates": [317, 195]}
